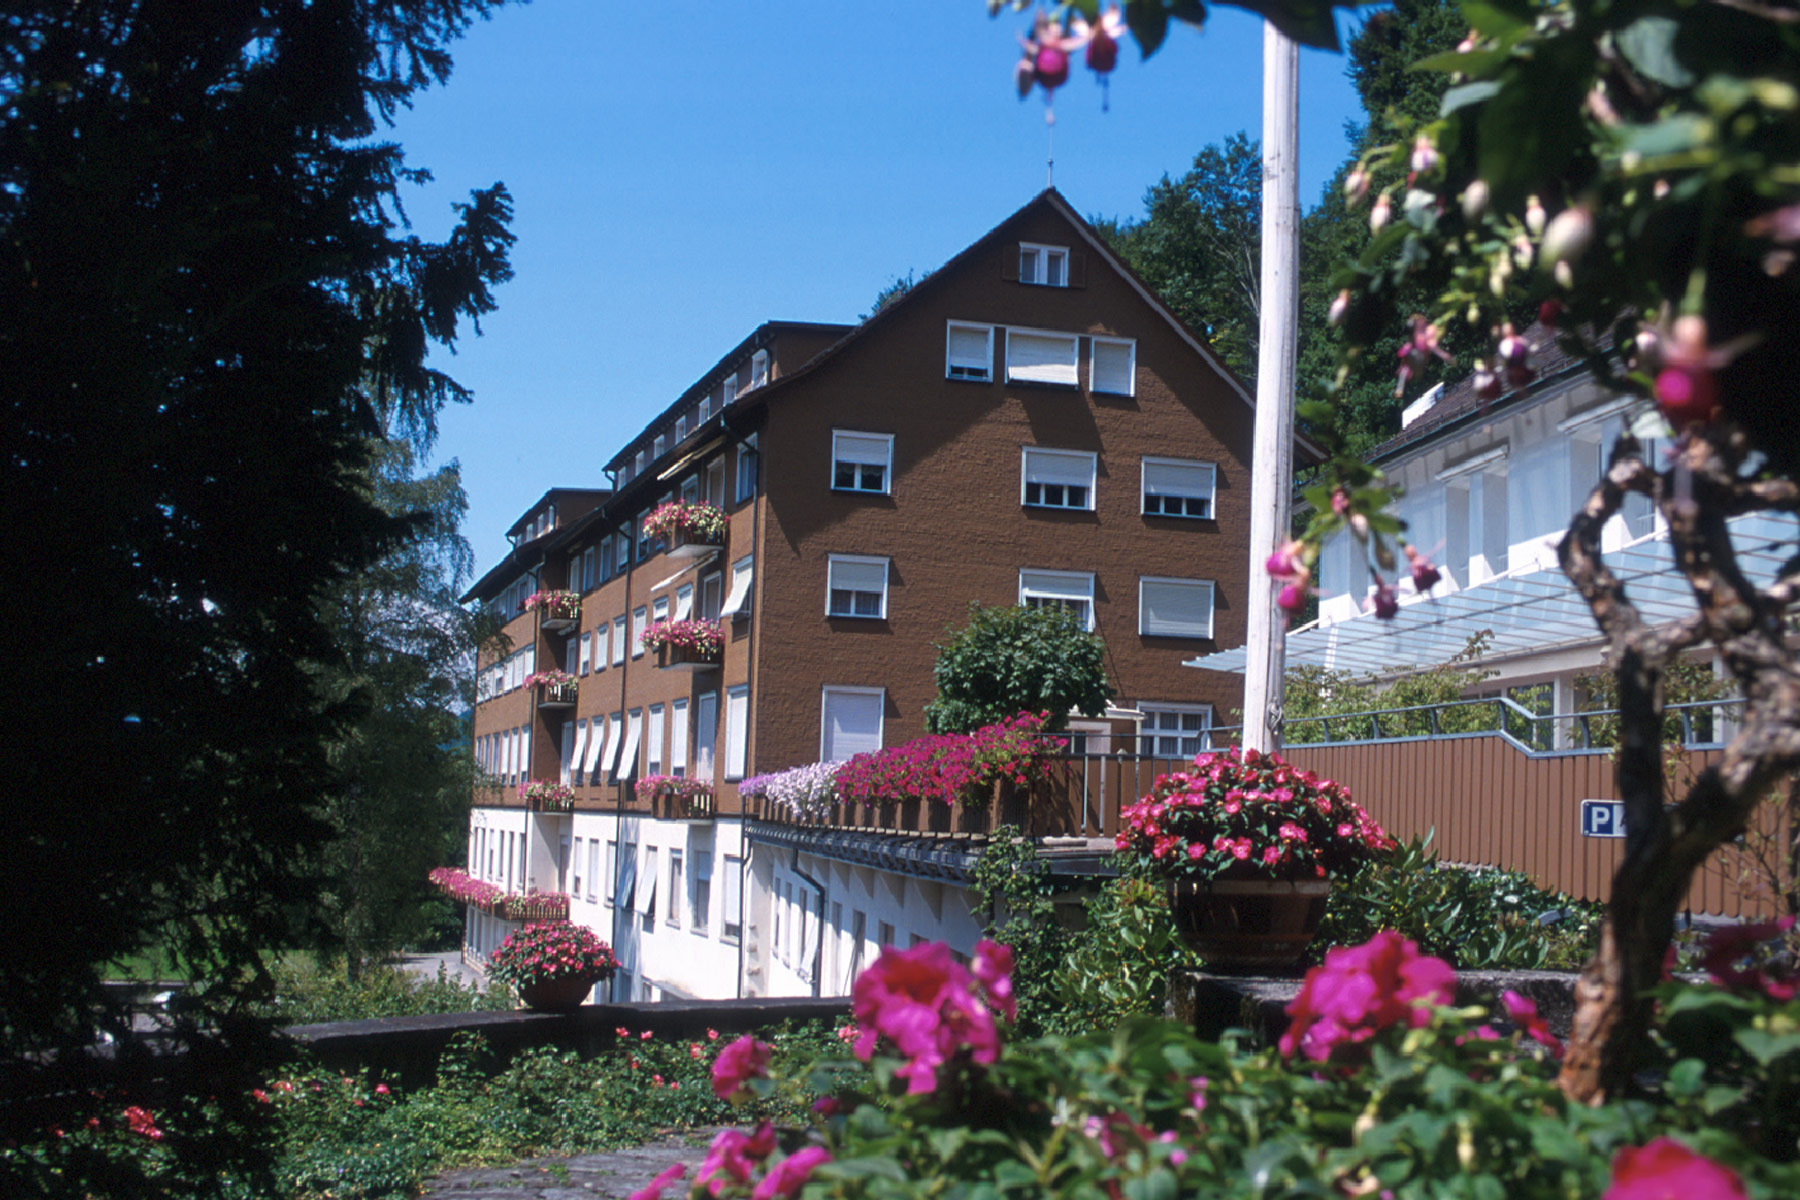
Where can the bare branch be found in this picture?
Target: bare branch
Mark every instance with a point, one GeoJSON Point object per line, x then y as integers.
{"type": "Point", "coordinates": [1579, 553]}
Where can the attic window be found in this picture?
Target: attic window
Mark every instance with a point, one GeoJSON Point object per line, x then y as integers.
{"type": "Point", "coordinates": [1046, 266]}
{"type": "Point", "coordinates": [759, 368]}
{"type": "Point", "coordinates": [970, 353]}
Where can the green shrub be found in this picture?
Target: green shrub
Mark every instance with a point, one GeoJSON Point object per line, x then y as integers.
{"type": "Point", "coordinates": [307, 994]}
{"type": "Point", "coordinates": [1121, 964]}
{"type": "Point", "coordinates": [1472, 917]}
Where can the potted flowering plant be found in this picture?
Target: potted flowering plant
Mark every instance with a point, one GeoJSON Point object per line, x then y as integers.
{"type": "Point", "coordinates": [553, 964]}
{"type": "Point", "coordinates": [547, 795]}
{"type": "Point", "coordinates": [686, 525]}
{"type": "Point", "coordinates": [1247, 844]}
{"type": "Point", "coordinates": [556, 605]}
{"type": "Point", "coordinates": [685, 643]}
{"type": "Point", "coordinates": [558, 685]}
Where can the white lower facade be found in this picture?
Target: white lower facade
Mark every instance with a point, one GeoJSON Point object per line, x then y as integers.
{"type": "Point", "coordinates": [700, 910]}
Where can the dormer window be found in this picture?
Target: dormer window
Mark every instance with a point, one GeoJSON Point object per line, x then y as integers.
{"type": "Point", "coordinates": [759, 368]}
{"type": "Point", "coordinates": [730, 388]}
{"type": "Point", "coordinates": [661, 444]}
{"type": "Point", "coordinates": [1046, 266]}
{"type": "Point", "coordinates": [637, 464]}
{"type": "Point", "coordinates": [681, 427]}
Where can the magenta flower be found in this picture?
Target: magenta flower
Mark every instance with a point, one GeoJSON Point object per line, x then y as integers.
{"type": "Point", "coordinates": [787, 1176]}
{"type": "Point", "coordinates": [1361, 990]}
{"type": "Point", "coordinates": [666, 1178]}
{"type": "Point", "coordinates": [929, 1008]}
{"type": "Point", "coordinates": [737, 1064]}
{"type": "Point", "coordinates": [1524, 1014]}
{"type": "Point", "coordinates": [993, 970]}
{"type": "Point", "coordinates": [1667, 1170]}
{"type": "Point", "coordinates": [734, 1155]}
{"type": "Point", "coordinates": [1729, 959]}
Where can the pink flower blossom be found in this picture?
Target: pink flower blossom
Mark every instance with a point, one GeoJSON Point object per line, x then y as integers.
{"type": "Point", "coordinates": [1524, 1014]}
{"type": "Point", "coordinates": [667, 1178]}
{"type": "Point", "coordinates": [737, 1064]}
{"type": "Point", "coordinates": [734, 1155]}
{"type": "Point", "coordinates": [1361, 990]}
{"type": "Point", "coordinates": [993, 967]}
{"type": "Point", "coordinates": [1666, 1170]}
{"type": "Point", "coordinates": [1729, 959]}
{"type": "Point", "coordinates": [142, 1121]}
{"type": "Point", "coordinates": [929, 1007]}
{"type": "Point", "coordinates": [787, 1176]}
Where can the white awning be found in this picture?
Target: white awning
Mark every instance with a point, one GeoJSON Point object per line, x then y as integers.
{"type": "Point", "coordinates": [646, 893]}
{"type": "Point", "coordinates": [572, 761]}
{"type": "Point", "coordinates": [634, 728]}
{"type": "Point", "coordinates": [739, 595]}
{"type": "Point", "coordinates": [1535, 611]}
{"type": "Point", "coordinates": [612, 745]}
{"type": "Point", "coordinates": [597, 736]}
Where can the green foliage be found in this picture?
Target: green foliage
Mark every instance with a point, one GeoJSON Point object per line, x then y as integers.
{"type": "Point", "coordinates": [306, 994]}
{"type": "Point", "coordinates": [1472, 917]}
{"type": "Point", "coordinates": [1013, 888]}
{"type": "Point", "coordinates": [895, 288]}
{"type": "Point", "coordinates": [1012, 660]}
{"type": "Point", "coordinates": [1121, 964]}
{"type": "Point", "coordinates": [1312, 695]}
{"type": "Point", "coordinates": [1684, 682]}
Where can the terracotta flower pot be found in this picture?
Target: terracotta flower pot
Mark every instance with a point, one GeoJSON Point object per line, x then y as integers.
{"type": "Point", "coordinates": [563, 994]}
{"type": "Point", "coordinates": [1249, 925]}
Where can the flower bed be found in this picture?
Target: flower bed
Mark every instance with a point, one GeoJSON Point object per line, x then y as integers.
{"type": "Point", "coordinates": [556, 605]}
{"type": "Point", "coordinates": [547, 795]}
{"type": "Point", "coordinates": [1247, 815]}
{"type": "Point", "coordinates": [803, 791]}
{"type": "Point", "coordinates": [702, 639]}
{"type": "Point", "coordinates": [686, 520]}
{"type": "Point", "coordinates": [464, 888]}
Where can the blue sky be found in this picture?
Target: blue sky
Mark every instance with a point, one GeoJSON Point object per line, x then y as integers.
{"type": "Point", "coordinates": [684, 171]}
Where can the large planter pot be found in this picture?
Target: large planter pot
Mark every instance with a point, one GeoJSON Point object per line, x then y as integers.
{"type": "Point", "coordinates": [557, 995]}
{"type": "Point", "coordinates": [1249, 925]}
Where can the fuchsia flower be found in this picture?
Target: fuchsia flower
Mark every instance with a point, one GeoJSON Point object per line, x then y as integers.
{"type": "Point", "coordinates": [734, 1155]}
{"type": "Point", "coordinates": [1361, 990]}
{"type": "Point", "coordinates": [669, 1177]}
{"type": "Point", "coordinates": [1728, 959]}
{"type": "Point", "coordinates": [1666, 1170]}
{"type": "Point", "coordinates": [788, 1176]}
{"type": "Point", "coordinates": [1385, 603]}
{"type": "Point", "coordinates": [737, 1064]}
{"type": "Point", "coordinates": [1425, 576]}
{"type": "Point", "coordinates": [931, 1009]}
{"type": "Point", "coordinates": [1523, 1012]}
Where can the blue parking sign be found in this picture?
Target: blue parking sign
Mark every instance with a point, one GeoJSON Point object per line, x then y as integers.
{"type": "Point", "coordinates": [1603, 818]}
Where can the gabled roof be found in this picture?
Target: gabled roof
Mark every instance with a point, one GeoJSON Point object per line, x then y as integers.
{"type": "Point", "coordinates": [557, 494]}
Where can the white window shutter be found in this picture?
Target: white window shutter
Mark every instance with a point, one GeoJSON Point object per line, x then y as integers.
{"type": "Point", "coordinates": [1114, 367]}
{"type": "Point", "coordinates": [1040, 357]}
{"type": "Point", "coordinates": [970, 353]}
{"type": "Point", "coordinates": [634, 731]}
{"type": "Point", "coordinates": [737, 720]}
{"type": "Point", "coordinates": [861, 448]}
{"type": "Point", "coordinates": [684, 602]}
{"type": "Point", "coordinates": [1056, 467]}
{"type": "Point", "coordinates": [1175, 608]}
{"type": "Point", "coordinates": [613, 743]}
{"type": "Point", "coordinates": [852, 724]}
{"type": "Point", "coordinates": [859, 576]}
{"type": "Point", "coordinates": [591, 756]}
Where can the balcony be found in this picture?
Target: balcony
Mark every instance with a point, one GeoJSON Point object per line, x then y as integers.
{"type": "Point", "coordinates": [678, 797]}
{"type": "Point", "coordinates": [464, 888]}
{"type": "Point", "coordinates": [687, 528]}
{"type": "Point", "coordinates": [547, 796]}
{"type": "Point", "coordinates": [686, 645]}
{"type": "Point", "coordinates": [555, 689]}
{"type": "Point", "coordinates": [558, 611]}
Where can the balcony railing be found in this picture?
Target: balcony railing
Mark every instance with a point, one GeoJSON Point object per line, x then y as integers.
{"type": "Point", "coordinates": [560, 610]}
{"type": "Point", "coordinates": [691, 645]}
{"type": "Point", "coordinates": [465, 889]}
{"type": "Point", "coordinates": [555, 689]}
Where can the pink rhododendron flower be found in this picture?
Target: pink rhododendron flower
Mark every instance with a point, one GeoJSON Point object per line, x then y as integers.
{"type": "Point", "coordinates": [734, 1155]}
{"type": "Point", "coordinates": [1667, 1170]}
{"type": "Point", "coordinates": [993, 966]}
{"type": "Point", "coordinates": [737, 1064]}
{"type": "Point", "coordinates": [929, 1007]}
{"type": "Point", "coordinates": [666, 1178]}
{"type": "Point", "coordinates": [1361, 990]}
{"type": "Point", "coordinates": [1524, 1014]}
{"type": "Point", "coordinates": [791, 1173]}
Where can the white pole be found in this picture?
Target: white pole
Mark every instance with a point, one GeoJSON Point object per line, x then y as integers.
{"type": "Point", "coordinates": [1272, 462]}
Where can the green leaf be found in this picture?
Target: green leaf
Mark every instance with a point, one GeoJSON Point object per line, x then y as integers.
{"type": "Point", "coordinates": [1687, 1077]}
{"type": "Point", "coordinates": [1497, 18]}
{"type": "Point", "coordinates": [1766, 1047]}
{"type": "Point", "coordinates": [1648, 44]}
{"type": "Point", "coordinates": [1309, 22]}
{"type": "Point", "coordinates": [1149, 24]}
{"type": "Point", "coordinates": [1465, 94]}
{"type": "Point", "coordinates": [1454, 62]}
{"type": "Point", "coordinates": [1675, 134]}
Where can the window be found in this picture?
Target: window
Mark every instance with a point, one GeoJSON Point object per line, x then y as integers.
{"type": "Point", "coordinates": [659, 609]}
{"type": "Point", "coordinates": [569, 648]}
{"type": "Point", "coordinates": [587, 652]}
{"type": "Point", "coordinates": [612, 869]}
{"type": "Point", "coordinates": [705, 408]}
{"type": "Point", "coordinates": [1112, 367]}
{"type": "Point", "coordinates": [856, 586]}
{"type": "Point", "coordinates": [637, 463]}
{"type": "Point", "coordinates": [681, 427]}
{"type": "Point", "coordinates": [577, 750]}
{"type": "Point", "coordinates": [737, 723]}
{"type": "Point", "coordinates": [759, 368]}
{"type": "Point", "coordinates": [690, 489]}
{"type": "Point", "coordinates": [593, 865]}
{"type": "Point", "coordinates": [1070, 590]}
{"type": "Point", "coordinates": [1045, 265]}
{"type": "Point", "coordinates": [1033, 357]}
{"type": "Point", "coordinates": [615, 741]}
{"type": "Point", "coordinates": [1178, 487]}
{"type": "Point", "coordinates": [1057, 478]}
{"type": "Point", "coordinates": [575, 868]}
{"type": "Point", "coordinates": [861, 462]}
{"type": "Point", "coordinates": [706, 733]}
{"type": "Point", "coordinates": [712, 595]}
{"type": "Point", "coordinates": [618, 641]}
{"type": "Point", "coordinates": [672, 908]}
{"type": "Point", "coordinates": [850, 722]}
{"type": "Point", "coordinates": [646, 545]}
{"type": "Point", "coordinates": [653, 741]}
{"type": "Point", "coordinates": [646, 897]}
{"type": "Point", "coordinates": [684, 602]}
{"type": "Point", "coordinates": [884, 935]}
{"type": "Point", "coordinates": [1180, 608]}
{"type": "Point", "coordinates": [746, 469]}
{"type": "Point", "coordinates": [737, 602]}
{"type": "Point", "coordinates": [634, 732]}
{"type": "Point", "coordinates": [638, 622]}
{"type": "Point", "coordinates": [731, 919]}
{"type": "Point", "coordinates": [600, 641]}
{"type": "Point", "coordinates": [715, 482]}
{"type": "Point", "coordinates": [609, 558]}
{"type": "Point", "coordinates": [661, 444]}
{"type": "Point", "coordinates": [678, 737]}
{"type": "Point", "coordinates": [588, 565]}
{"type": "Point", "coordinates": [625, 893]}
{"type": "Point", "coordinates": [1175, 730]}
{"type": "Point", "coordinates": [591, 757]}
{"type": "Point", "coordinates": [700, 895]}
{"type": "Point", "coordinates": [969, 352]}
{"type": "Point", "coordinates": [730, 388]}
{"type": "Point", "coordinates": [622, 551]}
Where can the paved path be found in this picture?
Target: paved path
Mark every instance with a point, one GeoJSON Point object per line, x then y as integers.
{"type": "Point", "coordinates": [615, 1174]}
{"type": "Point", "coordinates": [427, 965]}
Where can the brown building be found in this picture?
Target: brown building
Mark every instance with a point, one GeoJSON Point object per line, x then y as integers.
{"type": "Point", "coordinates": [1028, 424]}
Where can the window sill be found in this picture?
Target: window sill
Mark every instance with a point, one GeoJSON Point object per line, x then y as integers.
{"type": "Point", "coordinates": [1038, 385]}
{"type": "Point", "coordinates": [981, 379]}
{"type": "Point", "coordinates": [1056, 508]}
{"type": "Point", "coordinates": [844, 491]}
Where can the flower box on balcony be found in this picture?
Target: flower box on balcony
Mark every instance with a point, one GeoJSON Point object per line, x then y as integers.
{"type": "Point", "coordinates": [687, 527]}
{"type": "Point", "coordinates": [535, 906]}
{"type": "Point", "coordinates": [560, 610]}
{"type": "Point", "coordinates": [689, 644]}
{"type": "Point", "coordinates": [556, 689]}
{"type": "Point", "coordinates": [685, 796]}
{"type": "Point", "coordinates": [545, 795]}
